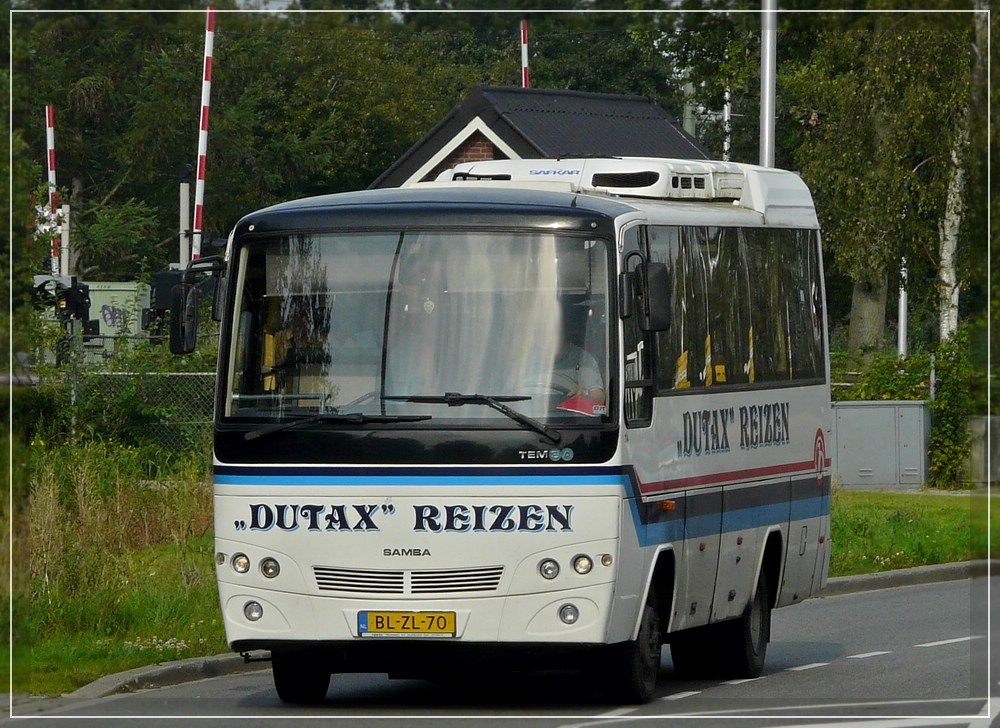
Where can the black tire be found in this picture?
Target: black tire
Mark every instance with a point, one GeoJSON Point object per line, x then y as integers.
{"type": "Point", "coordinates": [745, 641]}
{"type": "Point", "coordinates": [299, 679]}
{"type": "Point", "coordinates": [732, 649]}
{"type": "Point", "coordinates": [631, 674]}
{"type": "Point", "coordinates": [694, 653]}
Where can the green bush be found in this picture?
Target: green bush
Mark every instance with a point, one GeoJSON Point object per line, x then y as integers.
{"type": "Point", "coordinates": [38, 411]}
{"type": "Point", "coordinates": [950, 442]}
{"type": "Point", "coordinates": [888, 378]}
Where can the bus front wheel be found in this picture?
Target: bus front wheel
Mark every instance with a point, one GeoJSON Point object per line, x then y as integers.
{"type": "Point", "coordinates": [298, 679]}
{"type": "Point", "coordinates": [630, 676]}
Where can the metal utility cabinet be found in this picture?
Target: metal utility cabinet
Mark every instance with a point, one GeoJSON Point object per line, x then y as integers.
{"type": "Point", "coordinates": [882, 444]}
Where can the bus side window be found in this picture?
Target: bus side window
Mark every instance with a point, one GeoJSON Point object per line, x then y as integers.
{"type": "Point", "coordinates": [676, 365]}
{"type": "Point", "coordinates": [638, 404]}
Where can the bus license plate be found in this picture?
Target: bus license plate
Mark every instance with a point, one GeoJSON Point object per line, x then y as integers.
{"type": "Point", "coordinates": [424, 624]}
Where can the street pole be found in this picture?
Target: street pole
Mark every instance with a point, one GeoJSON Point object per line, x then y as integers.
{"type": "Point", "coordinates": [768, 64]}
{"type": "Point", "coordinates": [65, 264]}
{"type": "Point", "coordinates": [903, 323]}
{"type": "Point", "coordinates": [185, 225]}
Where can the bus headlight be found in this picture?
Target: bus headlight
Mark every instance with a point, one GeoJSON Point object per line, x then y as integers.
{"type": "Point", "coordinates": [269, 567]}
{"type": "Point", "coordinates": [548, 568]}
{"type": "Point", "coordinates": [240, 563]}
{"type": "Point", "coordinates": [582, 564]}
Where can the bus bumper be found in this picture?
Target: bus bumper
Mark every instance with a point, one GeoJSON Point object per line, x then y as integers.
{"type": "Point", "coordinates": [259, 619]}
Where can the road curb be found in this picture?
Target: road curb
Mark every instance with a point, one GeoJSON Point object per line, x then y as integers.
{"type": "Point", "coordinates": [166, 673]}
{"type": "Point", "coordinates": [908, 577]}
{"type": "Point", "coordinates": [199, 668]}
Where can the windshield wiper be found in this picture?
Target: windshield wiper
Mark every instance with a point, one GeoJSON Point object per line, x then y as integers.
{"type": "Point", "coordinates": [455, 399]}
{"type": "Point", "coordinates": [352, 418]}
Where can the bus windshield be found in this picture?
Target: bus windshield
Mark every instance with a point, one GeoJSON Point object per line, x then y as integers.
{"type": "Point", "coordinates": [400, 322]}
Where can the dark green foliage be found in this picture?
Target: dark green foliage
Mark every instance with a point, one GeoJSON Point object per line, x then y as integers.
{"type": "Point", "coordinates": [950, 412]}
{"type": "Point", "coordinates": [36, 411]}
{"type": "Point", "coordinates": [884, 377]}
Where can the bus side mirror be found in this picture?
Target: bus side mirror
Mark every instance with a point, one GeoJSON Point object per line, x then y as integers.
{"type": "Point", "coordinates": [219, 297]}
{"type": "Point", "coordinates": [626, 294]}
{"type": "Point", "coordinates": [183, 318]}
{"type": "Point", "coordinates": [652, 296]}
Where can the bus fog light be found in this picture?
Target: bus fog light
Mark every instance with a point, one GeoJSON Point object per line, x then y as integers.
{"type": "Point", "coordinates": [269, 567]}
{"type": "Point", "coordinates": [548, 568]}
{"type": "Point", "coordinates": [240, 563]}
{"type": "Point", "coordinates": [582, 564]}
{"type": "Point", "coordinates": [607, 559]}
{"type": "Point", "coordinates": [253, 611]}
{"type": "Point", "coordinates": [569, 614]}
{"type": "Point", "coordinates": [220, 559]}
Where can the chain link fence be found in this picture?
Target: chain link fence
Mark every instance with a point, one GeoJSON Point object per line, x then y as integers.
{"type": "Point", "coordinates": [167, 409]}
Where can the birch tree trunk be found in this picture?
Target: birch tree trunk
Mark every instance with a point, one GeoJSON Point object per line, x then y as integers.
{"type": "Point", "coordinates": [948, 230]}
{"type": "Point", "coordinates": [954, 212]}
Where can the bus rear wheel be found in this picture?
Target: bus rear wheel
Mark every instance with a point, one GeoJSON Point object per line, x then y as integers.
{"type": "Point", "coordinates": [298, 678]}
{"type": "Point", "coordinates": [745, 639]}
{"type": "Point", "coordinates": [732, 649]}
{"type": "Point", "coordinates": [631, 675]}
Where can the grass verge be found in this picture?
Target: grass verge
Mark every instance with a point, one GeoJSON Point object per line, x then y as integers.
{"type": "Point", "coordinates": [166, 609]}
{"type": "Point", "coordinates": [875, 532]}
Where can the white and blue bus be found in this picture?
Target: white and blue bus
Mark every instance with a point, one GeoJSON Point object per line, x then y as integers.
{"type": "Point", "coordinates": [545, 413]}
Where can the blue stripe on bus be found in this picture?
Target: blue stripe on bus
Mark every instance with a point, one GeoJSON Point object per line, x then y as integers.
{"type": "Point", "coordinates": [683, 526]}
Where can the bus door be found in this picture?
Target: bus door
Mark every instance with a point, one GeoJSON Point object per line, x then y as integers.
{"type": "Point", "coordinates": [806, 526]}
{"type": "Point", "coordinates": [743, 512]}
{"type": "Point", "coordinates": [702, 540]}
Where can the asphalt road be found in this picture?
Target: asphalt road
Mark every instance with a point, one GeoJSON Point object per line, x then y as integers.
{"type": "Point", "coordinates": [909, 648]}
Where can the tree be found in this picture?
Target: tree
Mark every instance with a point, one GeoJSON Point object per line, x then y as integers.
{"type": "Point", "coordinates": [293, 112]}
{"type": "Point", "coordinates": [588, 45]}
{"type": "Point", "coordinates": [859, 98]}
{"type": "Point", "coordinates": [86, 65]}
{"type": "Point", "coordinates": [883, 104]}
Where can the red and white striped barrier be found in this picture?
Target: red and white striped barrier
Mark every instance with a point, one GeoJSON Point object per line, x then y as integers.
{"type": "Point", "coordinates": [53, 227]}
{"type": "Point", "coordinates": [525, 75]}
{"type": "Point", "coordinates": [206, 91]}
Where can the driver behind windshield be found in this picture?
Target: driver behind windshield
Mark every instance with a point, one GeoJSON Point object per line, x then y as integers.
{"type": "Point", "coordinates": [575, 370]}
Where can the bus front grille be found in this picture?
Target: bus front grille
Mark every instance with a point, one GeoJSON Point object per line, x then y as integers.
{"type": "Point", "coordinates": [426, 581]}
{"type": "Point", "coordinates": [486, 578]}
{"type": "Point", "coordinates": [331, 578]}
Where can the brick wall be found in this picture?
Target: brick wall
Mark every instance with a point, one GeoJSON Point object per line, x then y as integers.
{"type": "Point", "coordinates": [477, 148]}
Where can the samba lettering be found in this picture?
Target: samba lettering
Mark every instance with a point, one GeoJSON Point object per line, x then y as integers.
{"type": "Point", "coordinates": [764, 425]}
{"type": "Point", "coordinates": [406, 552]}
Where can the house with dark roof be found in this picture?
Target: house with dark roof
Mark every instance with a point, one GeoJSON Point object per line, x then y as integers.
{"type": "Point", "coordinates": [517, 123]}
